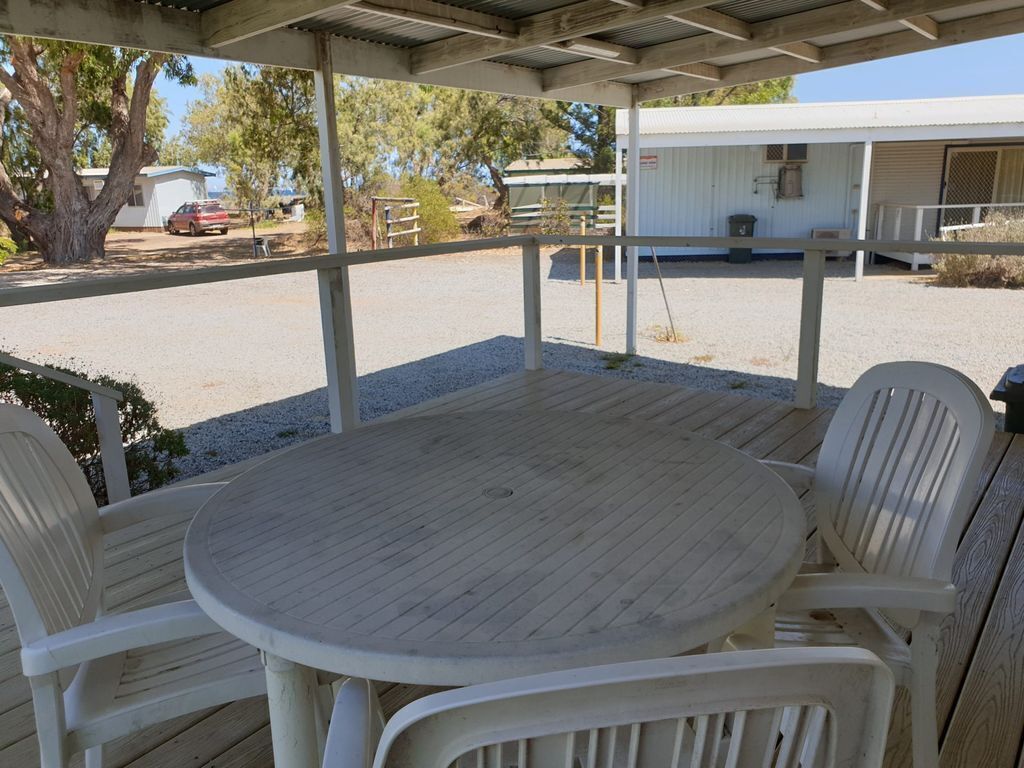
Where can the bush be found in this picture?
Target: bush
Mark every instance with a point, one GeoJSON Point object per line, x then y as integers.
{"type": "Point", "coordinates": [962, 270]}
{"type": "Point", "coordinates": [437, 222]}
{"type": "Point", "coordinates": [150, 450]}
{"type": "Point", "coordinates": [7, 248]}
{"type": "Point", "coordinates": [556, 218]}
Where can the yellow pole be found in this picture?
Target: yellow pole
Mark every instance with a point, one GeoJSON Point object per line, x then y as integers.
{"type": "Point", "coordinates": [598, 270]}
{"type": "Point", "coordinates": [583, 251]}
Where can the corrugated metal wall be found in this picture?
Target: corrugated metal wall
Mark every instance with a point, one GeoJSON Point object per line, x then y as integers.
{"type": "Point", "coordinates": [693, 191]}
{"type": "Point", "coordinates": [906, 172]}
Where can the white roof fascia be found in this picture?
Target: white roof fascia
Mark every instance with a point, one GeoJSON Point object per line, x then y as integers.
{"type": "Point", "coordinates": [834, 136]}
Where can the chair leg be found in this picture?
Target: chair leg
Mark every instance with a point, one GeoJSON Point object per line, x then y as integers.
{"type": "Point", "coordinates": [924, 661]}
{"type": "Point", "coordinates": [94, 757]}
{"type": "Point", "coordinates": [48, 704]}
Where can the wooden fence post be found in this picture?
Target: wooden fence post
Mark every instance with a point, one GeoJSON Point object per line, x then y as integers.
{"type": "Point", "coordinates": [583, 250]}
{"type": "Point", "coordinates": [115, 468]}
{"type": "Point", "coordinates": [810, 329]}
{"type": "Point", "coordinates": [533, 358]}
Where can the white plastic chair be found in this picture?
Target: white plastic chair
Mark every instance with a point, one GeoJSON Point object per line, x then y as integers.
{"type": "Point", "coordinates": [893, 486]}
{"type": "Point", "coordinates": [814, 708]}
{"type": "Point", "coordinates": [97, 677]}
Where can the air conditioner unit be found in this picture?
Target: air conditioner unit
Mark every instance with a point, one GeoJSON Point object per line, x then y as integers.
{"type": "Point", "coordinates": [831, 234]}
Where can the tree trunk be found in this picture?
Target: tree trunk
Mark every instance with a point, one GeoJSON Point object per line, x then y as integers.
{"type": "Point", "coordinates": [499, 186]}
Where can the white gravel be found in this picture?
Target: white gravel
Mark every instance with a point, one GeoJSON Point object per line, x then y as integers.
{"type": "Point", "coordinates": [239, 365]}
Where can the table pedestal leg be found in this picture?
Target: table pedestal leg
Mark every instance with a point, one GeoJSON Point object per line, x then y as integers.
{"type": "Point", "coordinates": [291, 691]}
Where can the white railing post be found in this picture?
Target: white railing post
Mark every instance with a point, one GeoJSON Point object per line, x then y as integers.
{"type": "Point", "coordinates": [335, 298]}
{"type": "Point", "coordinates": [632, 227]}
{"type": "Point", "coordinates": [879, 222]}
{"type": "Point", "coordinates": [532, 354]}
{"type": "Point", "coordinates": [897, 223]}
{"type": "Point", "coordinates": [862, 207]}
{"type": "Point", "coordinates": [112, 459]}
{"type": "Point", "coordinates": [918, 234]}
{"type": "Point", "coordinates": [618, 211]}
{"type": "Point", "coordinates": [976, 215]}
{"type": "Point", "coordinates": [810, 329]}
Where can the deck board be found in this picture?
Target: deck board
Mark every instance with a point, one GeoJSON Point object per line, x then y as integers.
{"type": "Point", "coordinates": [981, 685]}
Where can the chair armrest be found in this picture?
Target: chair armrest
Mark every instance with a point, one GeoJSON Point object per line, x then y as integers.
{"type": "Point", "coordinates": [356, 726]}
{"type": "Point", "coordinates": [797, 476]}
{"type": "Point", "coordinates": [114, 634]}
{"type": "Point", "coordinates": [166, 501]}
{"type": "Point", "coordinates": [856, 590]}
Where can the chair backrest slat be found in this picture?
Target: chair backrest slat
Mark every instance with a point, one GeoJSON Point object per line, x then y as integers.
{"type": "Point", "coordinates": [897, 469]}
{"type": "Point", "coordinates": [823, 708]}
{"type": "Point", "coordinates": [50, 536]}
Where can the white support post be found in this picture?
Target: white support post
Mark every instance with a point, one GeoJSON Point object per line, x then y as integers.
{"type": "Point", "coordinates": [115, 468]}
{"type": "Point", "coordinates": [532, 354]}
{"type": "Point", "coordinates": [918, 234]}
{"type": "Point", "coordinates": [810, 329]}
{"type": "Point", "coordinates": [632, 226]}
{"type": "Point", "coordinates": [976, 215]}
{"type": "Point", "coordinates": [618, 211]}
{"type": "Point", "coordinates": [335, 292]}
{"type": "Point", "coordinates": [862, 206]}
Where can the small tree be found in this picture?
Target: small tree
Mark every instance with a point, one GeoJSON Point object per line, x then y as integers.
{"type": "Point", "coordinates": [61, 99]}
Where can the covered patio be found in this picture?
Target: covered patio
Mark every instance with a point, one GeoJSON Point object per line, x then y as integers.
{"type": "Point", "coordinates": [605, 51]}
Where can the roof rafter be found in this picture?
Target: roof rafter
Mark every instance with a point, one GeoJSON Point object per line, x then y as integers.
{"type": "Point", "coordinates": [441, 15]}
{"type": "Point", "coordinates": [924, 25]}
{"type": "Point", "coordinates": [713, 21]}
{"type": "Point", "coordinates": [240, 19]}
{"type": "Point", "coordinates": [966, 30]}
{"type": "Point", "coordinates": [797, 27]}
{"type": "Point", "coordinates": [578, 20]}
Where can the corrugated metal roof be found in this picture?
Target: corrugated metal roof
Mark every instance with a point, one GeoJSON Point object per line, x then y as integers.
{"type": "Point", "coordinates": [147, 170]}
{"type": "Point", "coordinates": [539, 58]}
{"type": "Point", "coordinates": [359, 25]}
{"type": "Point", "coordinates": [753, 11]}
{"type": "Point", "coordinates": [977, 110]}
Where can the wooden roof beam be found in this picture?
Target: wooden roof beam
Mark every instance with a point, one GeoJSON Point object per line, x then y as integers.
{"type": "Point", "coordinates": [580, 19]}
{"type": "Point", "coordinates": [925, 26]}
{"type": "Point", "coordinates": [701, 71]}
{"type": "Point", "coordinates": [1009, 22]}
{"type": "Point", "coordinates": [878, 5]}
{"type": "Point", "coordinates": [444, 16]}
{"type": "Point", "coordinates": [713, 21]}
{"type": "Point", "coordinates": [802, 50]}
{"type": "Point", "coordinates": [241, 19]}
{"type": "Point", "coordinates": [797, 27]}
{"type": "Point", "coordinates": [597, 49]}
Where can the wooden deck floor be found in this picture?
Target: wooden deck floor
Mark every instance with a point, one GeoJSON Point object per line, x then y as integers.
{"type": "Point", "coordinates": [981, 687]}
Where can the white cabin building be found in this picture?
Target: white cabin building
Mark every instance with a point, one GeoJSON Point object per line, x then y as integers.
{"type": "Point", "coordinates": [800, 168]}
{"type": "Point", "coordinates": [159, 191]}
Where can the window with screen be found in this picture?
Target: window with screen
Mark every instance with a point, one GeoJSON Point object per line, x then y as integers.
{"type": "Point", "coordinates": [135, 201]}
{"type": "Point", "coordinates": [785, 153]}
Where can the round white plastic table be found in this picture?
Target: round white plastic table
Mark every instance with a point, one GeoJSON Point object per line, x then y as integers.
{"type": "Point", "coordinates": [470, 547]}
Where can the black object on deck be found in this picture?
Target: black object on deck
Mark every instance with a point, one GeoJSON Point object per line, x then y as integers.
{"type": "Point", "coordinates": [1010, 390]}
{"type": "Point", "coordinates": [741, 225]}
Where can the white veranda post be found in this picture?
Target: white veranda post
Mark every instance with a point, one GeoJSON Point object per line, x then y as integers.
{"type": "Point", "coordinates": [335, 295]}
{"type": "Point", "coordinates": [862, 205]}
{"type": "Point", "coordinates": [632, 224]}
{"type": "Point", "coordinates": [618, 210]}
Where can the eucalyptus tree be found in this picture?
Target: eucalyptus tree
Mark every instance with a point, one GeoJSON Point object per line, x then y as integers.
{"type": "Point", "coordinates": [61, 103]}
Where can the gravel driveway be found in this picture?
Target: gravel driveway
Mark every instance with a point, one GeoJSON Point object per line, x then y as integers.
{"type": "Point", "coordinates": [240, 365]}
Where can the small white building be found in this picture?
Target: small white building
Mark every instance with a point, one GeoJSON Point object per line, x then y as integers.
{"type": "Point", "coordinates": [159, 191]}
{"type": "Point", "coordinates": [801, 170]}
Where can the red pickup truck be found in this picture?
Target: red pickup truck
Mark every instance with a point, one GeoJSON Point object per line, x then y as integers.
{"type": "Point", "coordinates": [198, 216]}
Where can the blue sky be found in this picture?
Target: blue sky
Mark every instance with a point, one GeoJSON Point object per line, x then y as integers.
{"type": "Point", "coordinates": [984, 68]}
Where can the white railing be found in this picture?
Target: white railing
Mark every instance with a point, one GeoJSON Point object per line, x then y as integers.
{"type": "Point", "coordinates": [108, 425]}
{"type": "Point", "coordinates": [333, 292]}
{"type": "Point", "coordinates": [924, 223]}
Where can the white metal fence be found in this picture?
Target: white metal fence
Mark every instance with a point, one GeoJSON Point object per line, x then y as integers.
{"type": "Point", "coordinates": [913, 223]}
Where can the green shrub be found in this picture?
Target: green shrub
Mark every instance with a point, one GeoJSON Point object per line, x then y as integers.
{"type": "Point", "coordinates": [7, 248]}
{"type": "Point", "coordinates": [962, 270]}
{"type": "Point", "coordinates": [437, 222]}
{"type": "Point", "coordinates": [150, 450]}
{"type": "Point", "coordinates": [555, 218]}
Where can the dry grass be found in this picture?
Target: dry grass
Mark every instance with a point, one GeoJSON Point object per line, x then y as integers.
{"type": "Point", "coordinates": [702, 358]}
{"type": "Point", "coordinates": [964, 270]}
{"type": "Point", "coordinates": [665, 335]}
